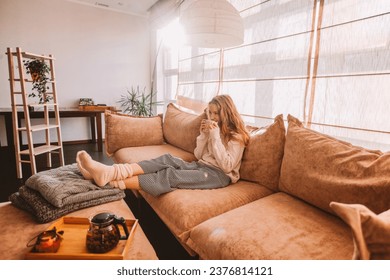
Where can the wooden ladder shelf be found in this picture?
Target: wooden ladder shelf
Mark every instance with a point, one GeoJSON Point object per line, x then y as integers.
{"type": "Point", "coordinates": [20, 101]}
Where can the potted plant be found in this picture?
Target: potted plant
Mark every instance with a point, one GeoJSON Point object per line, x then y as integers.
{"type": "Point", "coordinates": [137, 102]}
{"type": "Point", "coordinates": [40, 73]}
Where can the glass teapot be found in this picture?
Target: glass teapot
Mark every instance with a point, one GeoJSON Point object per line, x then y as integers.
{"type": "Point", "coordinates": [103, 233]}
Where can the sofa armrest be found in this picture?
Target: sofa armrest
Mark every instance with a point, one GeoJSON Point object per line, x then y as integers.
{"type": "Point", "coordinates": [123, 131]}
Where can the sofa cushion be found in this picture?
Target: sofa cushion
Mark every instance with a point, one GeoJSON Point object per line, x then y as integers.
{"type": "Point", "coordinates": [320, 169]}
{"type": "Point", "coordinates": [130, 131]}
{"type": "Point", "coordinates": [276, 227]}
{"type": "Point", "coordinates": [263, 155]}
{"type": "Point", "coordinates": [181, 127]}
{"type": "Point", "coordinates": [183, 209]}
{"type": "Point", "coordinates": [136, 154]}
{"type": "Point", "coordinates": [371, 232]}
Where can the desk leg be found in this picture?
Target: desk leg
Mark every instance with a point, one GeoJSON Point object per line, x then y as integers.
{"type": "Point", "coordinates": [99, 131]}
{"type": "Point", "coordinates": [93, 129]}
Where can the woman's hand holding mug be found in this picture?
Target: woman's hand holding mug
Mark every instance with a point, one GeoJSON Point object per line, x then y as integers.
{"type": "Point", "coordinates": [207, 125]}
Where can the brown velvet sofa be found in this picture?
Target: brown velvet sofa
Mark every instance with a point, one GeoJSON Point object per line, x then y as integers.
{"type": "Point", "coordinates": [279, 209]}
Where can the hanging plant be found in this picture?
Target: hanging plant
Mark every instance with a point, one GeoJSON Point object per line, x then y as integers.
{"type": "Point", "coordinates": [40, 73]}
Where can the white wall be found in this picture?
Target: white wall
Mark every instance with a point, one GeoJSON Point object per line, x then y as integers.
{"type": "Point", "coordinates": [99, 53]}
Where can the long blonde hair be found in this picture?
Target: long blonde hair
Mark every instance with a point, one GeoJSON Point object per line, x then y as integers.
{"type": "Point", "coordinates": [231, 124]}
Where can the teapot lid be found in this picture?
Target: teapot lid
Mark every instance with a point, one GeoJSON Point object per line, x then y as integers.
{"type": "Point", "coordinates": [102, 218]}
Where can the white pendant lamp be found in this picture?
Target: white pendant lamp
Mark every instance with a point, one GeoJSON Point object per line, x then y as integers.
{"type": "Point", "coordinates": [212, 24]}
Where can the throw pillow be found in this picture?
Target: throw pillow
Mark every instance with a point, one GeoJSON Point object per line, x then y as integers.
{"type": "Point", "coordinates": [371, 232]}
{"type": "Point", "coordinates": [319, 169]}
{"type": "Point", "coordinates": [131, 131]}
{"type": "Point", "coordinates": [181, 127]}
{"type": "Point", "coordinates": [263, 155]}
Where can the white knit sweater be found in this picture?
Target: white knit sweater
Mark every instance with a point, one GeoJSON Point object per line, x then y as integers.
{"type": "Point", "coordinates": [210, 150]}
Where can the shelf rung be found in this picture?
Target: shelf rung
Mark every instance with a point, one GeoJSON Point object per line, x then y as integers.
{"type": "Point", "coordinates": [31, 55]}
{"type": "Point", "coordinates": [30, 80]}
{"type": "Point", "coordinates": [41, 149]}
{"type": "Point", "coordinates": [39, 127]}
{"type": "Point", "coordinates": [17, 92]}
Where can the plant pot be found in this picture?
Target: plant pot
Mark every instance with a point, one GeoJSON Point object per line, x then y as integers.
{"type": "Point", "coordinates": [35, 77]}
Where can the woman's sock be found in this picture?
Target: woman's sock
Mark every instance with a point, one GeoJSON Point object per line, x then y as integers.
{"type": "Point", "coordinates": [118, 184]}
{"type": "Point", "coordinates": [103, 174]}
{"type": "Point", "coordinates": [84, 172]}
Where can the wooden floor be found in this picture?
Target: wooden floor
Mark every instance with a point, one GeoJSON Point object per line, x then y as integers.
{"type": "Point", "coordinates": [160, 237]}
{"type": "Point", "coordinates": [8, 181]}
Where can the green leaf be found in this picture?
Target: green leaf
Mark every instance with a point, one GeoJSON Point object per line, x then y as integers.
{"type": "Point", "coordinates": [137, 102]}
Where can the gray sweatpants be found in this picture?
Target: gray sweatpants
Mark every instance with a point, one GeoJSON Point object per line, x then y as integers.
{"type": "Point", "coordinates": [165, 173]}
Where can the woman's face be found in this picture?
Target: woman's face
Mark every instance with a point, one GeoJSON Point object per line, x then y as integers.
{"type": "Point", "coordinates": [214, 113]}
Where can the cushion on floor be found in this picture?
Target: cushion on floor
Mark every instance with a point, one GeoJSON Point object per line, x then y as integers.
{"type": "Point", "coordinates": [371, 232]}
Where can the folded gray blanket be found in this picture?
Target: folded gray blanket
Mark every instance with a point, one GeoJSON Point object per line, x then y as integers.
{"type": "Point", "coordinates": [43, 211]}
{"type": "Point", "coordinates": [65, 186]}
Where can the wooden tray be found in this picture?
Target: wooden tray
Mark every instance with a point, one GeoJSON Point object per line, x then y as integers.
{"type": "Point", "coordinates": [73, 245]}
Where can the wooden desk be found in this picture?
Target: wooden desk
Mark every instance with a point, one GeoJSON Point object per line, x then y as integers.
{"type": "Point", "coordinates": [95, 121]}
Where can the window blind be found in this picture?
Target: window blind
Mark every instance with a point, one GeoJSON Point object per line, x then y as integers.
{"type": "Point", "coordinates": [325, 62]}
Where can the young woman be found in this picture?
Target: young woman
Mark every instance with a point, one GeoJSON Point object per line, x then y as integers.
{"type": "Point", "coordinates": [219, 149]}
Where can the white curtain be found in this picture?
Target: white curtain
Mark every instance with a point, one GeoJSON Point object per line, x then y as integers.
{"type": "Point", "coordinates": [325, 62]}
{"type": "Point", "coordinates": [351, 99]}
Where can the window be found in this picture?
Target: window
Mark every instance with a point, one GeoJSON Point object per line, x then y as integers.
{"type": "Point", "coordinates": [326, 62]}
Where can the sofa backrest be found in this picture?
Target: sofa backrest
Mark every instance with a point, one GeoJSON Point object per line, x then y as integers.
{"type": "Point", "coordinates": [263, 155]}
{"type": "Point", "coordinates": [320, 169]}
{"type": "Point", "coordinates": [123, 131]}
{"type": "Point", "coordinates": [181, 127]}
